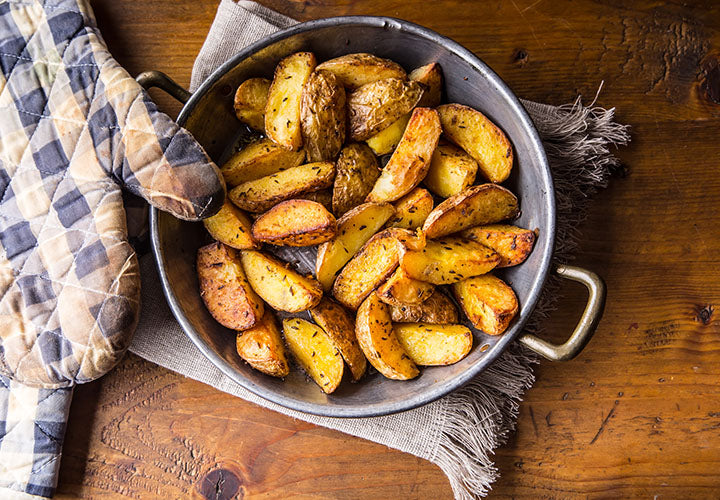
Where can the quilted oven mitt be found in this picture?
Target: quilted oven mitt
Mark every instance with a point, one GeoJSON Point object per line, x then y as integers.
{"type": "Point", "coordinates": [74, 129]}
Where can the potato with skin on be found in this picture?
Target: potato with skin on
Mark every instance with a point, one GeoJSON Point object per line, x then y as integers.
{"type": "Point", "coordinates": [250, 100]}
{"type": "Point", "coordinates": [282, 288]}
{"type": "Point", "coordinates": [409, 164]}
{"type": "Point", "coordinates": [259, 159]}
{"type": "Point", "coordinates": [513, 244]}
{"type": "Point", "coordinates": [356, 172]}
{"type": "Point", "coordinates": [262, 347]}
{"type": "Point", "coordinates": [476, 205]}
{"type": "Point", "coordinates": [314, 351]}
{"type": "Point", "coordinates": [262, 194]}
{"type": "Point", "coordinates": [488, 302]}
{"type": "Point", "coordinates": [430, 344]}
{"type": "Point", "coordinates": [412, 209]}
{"type": "Point", "coordinates": [231, 226]}
{"type": "Point", "coordinates": [323, 116]}
{"type": "Point", "coordinates": [400, 289]}
{"type": "Point", "coordinates": [225, 289]}
{"type": "Point", "coordinates": [340, 329]}
{"type": "Point", "coordinates": [356, 70]}
{"type": "Point", "coordinates": [480, 138]}
{"type": "Point", "coordinates": [438, 309]}
{"type": "Point", "coordinates": [387, 139]}
{"type": "Point", "coordinates": [378, 342]}
{"type": "Point", "coordinates": [324, 197]}
{"type": "Point", "coordinates": [295, 223]}
{"type": "Point", "coordinates": [451, 170]}
{"type": "Point", "coordinates": [282, 111]}
{"type": "Point", "coordinates": [431, 77]}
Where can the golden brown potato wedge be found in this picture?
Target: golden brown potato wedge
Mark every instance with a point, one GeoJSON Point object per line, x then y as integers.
{"type": "Point", "coordinates": [488, 302]}
{"type": "Point", "coordinates": [355, 228]}
{"type": "Point", "coordinates": [400, 289]}
{"type": "Point", "coordinates": [378, 105]}
{"type": "Point", "coordinates": [323, 116]}
{"type": "Point", "coordinates": [438, 309]}
{"type": "Point", "coordinates": [448, 260]}
{"type": "Point", "coordinates": [480, 138]}
{"type": "Point", "coordinates": [409, 163]}
{"type": "Point", "coordinates": [476, 205]}
{"type": "Point", "coordinates": [314, 352]}
{"type": "Point", "coordinates": [262, 347]}
{"type": "Point", "coordinates": [295, 223]}
{"type": "Point", "coordinates": [429, 344]}
{"type": "Point", "coordinates": [282, 111]}
{"type": "Point", "coordinates": [431, 77]}
{"type": "Point", "coordinates": [259, 159]}
{"type": "Point", "coordinates": [225, 288]}
{"type": "Point", "coordinates": [378, 341]}
{"type": "Point", "coordinates": [512, 243]}
{"type": "Point", "coordinates": [387, 139]}
{"type": "Point", "coordinates": [412, 209]}
{"type": "Point", "coordinates": [261, 194]}
{"type": "Point", "coordinates": [282, 288]}
{"type": "Point", "coordinates": [231, 226]}
{"type": "Point", "coordinates": [356, 70]}
{"type": "Point", "coordinates": [357, 170]}
{"type": "Point", "coordinates": [451, 170]}
{"type": "Point", "coordinates": [324, 197]}
{"type": "Point", "coordinates": [250, 99]}
{"type": "Point", "coordinates": [340, 329]}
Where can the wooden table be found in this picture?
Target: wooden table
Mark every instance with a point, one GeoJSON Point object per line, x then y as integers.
{"type": "Point", "coordinates": [637, 415]}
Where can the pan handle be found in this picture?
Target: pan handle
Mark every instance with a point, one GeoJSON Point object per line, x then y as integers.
{"type": "Point", "coordinates": [588, 321]}
{"type": "Point", "coordinates": [149, 79]}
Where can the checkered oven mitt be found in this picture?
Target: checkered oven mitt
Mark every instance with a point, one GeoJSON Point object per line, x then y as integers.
{"type": "Point", "coordinates": [74, 128]}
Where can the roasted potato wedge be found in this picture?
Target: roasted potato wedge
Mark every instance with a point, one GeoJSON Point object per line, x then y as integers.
{"type": "Point", "coordinates": [357, 170]}
{"type": "Point", "coordinates": [250, 99]}
{"type": "Point", "coordinates": [431, 77]}
{"type": "Point", "coordinates": [324, 197]}
{"type": "Point", "coordinates": [314, 351]}
{"type": "Point", "coordinates": [231, 226]}
{"type": "Point", "coordinates": [480, 138]}
{"type": "Point", "coordinates": [409, 163]}
{"type": "Point", "coordinates": [356, 70]}
{"type": "Point", "coordinates": [476, 205]}
{"type": "Point", "coordinates": [261, 194]}
{"type": "Point", "coordinates": [451, 170]}
{"type": "Point", "coordinates": [378, 105]}
{"type": "Point", "coordinates": [282, 111]}
{"type": "Point", "coordinates": [225, 289]}
{"type": "Point", "coordinates": [282, 288]}
{"type": "Point", "coordinates": [355, 228]}
{"type": "Point", "coordinates": [412, 209]}
{"type": "Point", "coordinates": [513, 244]}
{"type": "Point", "coordinates": [262, 347]}
{"type": "Point", "coordinates": [438, 309]}
{"type": "Point", "coordinates": [429, 344]}
{"type": "Point", "coordinates": [295, 223]}
{"type": "Point", "coordinates": [378, 342]}
{"type": "Point", "coordinates": [323, 116]}
{"type": "Point", "coordinates": [400, 289]}
{"type": "Point", "coordinates": [448, 260]}
{"type": "Point", "coordinates": [259, 159]}
{"type": "Point", "coordinates": [340, 329]}
{"type": "Point", "coordinates": [488, 302]}
{"type": "Point", "coordinates": [387, 139]}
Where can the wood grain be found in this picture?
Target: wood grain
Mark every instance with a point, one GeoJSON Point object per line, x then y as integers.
{"type": "Point", "coordinates": [636, 416]}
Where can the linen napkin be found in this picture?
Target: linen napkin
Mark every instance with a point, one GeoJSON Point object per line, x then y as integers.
{"type": "Point", "coordinates": [460, 431]}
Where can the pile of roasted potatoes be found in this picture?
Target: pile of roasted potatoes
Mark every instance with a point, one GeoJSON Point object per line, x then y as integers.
{"type": "Point", "coordinates": [391, 241]}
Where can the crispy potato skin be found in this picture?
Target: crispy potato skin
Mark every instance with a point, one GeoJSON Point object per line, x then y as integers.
{"type": "Point", "coordinates": [356, 70]}
{"type": "Point", "coordinates": [323, 116]}
{"type": "Point", "coordinates": [282, 288]}
{"type": "Point", "coordinates": [282, 111]}
{"type": "Point", "coordinates": [262, 347]}
{"type": "Point", "coordinates": [324, 197]}
{"type": "Point", "coordinates": [410, 161]}
{"type": "Point", "coordinates": [295, 223]}
{"type": "Point", "coordinates": [249, 104]}
{"type": "Point", "coordinates": [225, 289]}
{"type": "Point", "coordinates": [340, 329]}
{"type": "Point", "coordinates": [431, 77]}
{"type": "Point", "coordinates": [387, 139]}
{"type": "Point", "coordinates": [378, 105]}
{"type": "Point", "coordinates": [400, 289]}
{"type": "Point", "coordinates": [378, 342]}
{"type": "Point", "coordinates": [412, 209]}
{"type": "Point", "coordinates": [357, 170]}
{"type": "Point", "coordinates": [231, 226]}
{"type": "Point", "coordinates": [429, 344]}
{"type": "Point", "coordinates": [314, 352]}
{"type": "Point", "coordinates": [513, 244]}
{"type": "Point", "coordinates": [488, 302]}
{"type": "Point", "coordinates": [259, 159]}
{"type": "Point", "coordinates": [438, 309]}
{"type": "Point", "coordinates": [451, 170]}
{"type": "Point", "coordinates": [262, 194]}
{"type": "Point", "coordinates": [480, 138]}
{"type": "Point", "coordinates": [476, 205]}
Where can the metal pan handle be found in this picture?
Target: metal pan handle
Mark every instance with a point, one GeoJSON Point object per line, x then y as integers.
{"type": "Point", "coordinates": [149, 79]}
{"type": "Point", "coordinates": [588, 321]}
